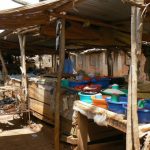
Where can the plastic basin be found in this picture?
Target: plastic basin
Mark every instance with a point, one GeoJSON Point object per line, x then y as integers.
{"type": "Point", "coordinates": [144, 115]}
{"type": "Point", "coordinates": [116, 107]}
{"type": "Point", "coordinates": [123, 99]}
{"type": "Point", "coordinates": [147, 104]}
{"type": "Point", "coordinates": [85, 98]}
{"type": "Point", "coordinates": [77, 83]}
{"type": "Point", "coordinates": [64, 83]}
{"type": "Point", "coordinates": [99, 102]}
{"type": "Point", "coordinates": [104, 82]}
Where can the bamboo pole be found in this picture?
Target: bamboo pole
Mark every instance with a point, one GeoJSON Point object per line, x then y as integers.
{"type": "Point", "coordinates": [5, 71]}
{"type": "Point", "coordinates": [58, 87]}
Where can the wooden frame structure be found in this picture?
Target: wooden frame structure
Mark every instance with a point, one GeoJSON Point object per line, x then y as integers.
{"type": "Point", "coordinates": [43, 12]}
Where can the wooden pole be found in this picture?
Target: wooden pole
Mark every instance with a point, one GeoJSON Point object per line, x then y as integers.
{"type": "Point", "coordinates": [135, 130]}
{"type": "Point", "coordinates": [129, 143]}
{"type": "Point", "coordinates": [22, 40]}
{"type": "Point", "coordinates": [58, 87]}
{"type": "Point", "coordinates": [136, 43]}
{"type": "Point", "coordinates": [5, 72]}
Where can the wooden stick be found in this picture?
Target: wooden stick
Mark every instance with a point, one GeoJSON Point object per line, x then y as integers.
{"type": "Point", "coordinates": [5, 76]}
{"type": "Point", "coordinates": [58, 87]}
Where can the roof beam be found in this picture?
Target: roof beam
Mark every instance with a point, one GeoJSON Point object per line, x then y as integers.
{"type": "Point", "coordinates": [91, 21]}
{"type": "Point", "coordinates": [22, 2]}
{"type": "Point", "coordinates": [41, 6]}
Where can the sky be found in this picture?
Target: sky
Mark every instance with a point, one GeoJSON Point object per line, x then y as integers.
{"type": "Point", "coordinates": [7, 4]}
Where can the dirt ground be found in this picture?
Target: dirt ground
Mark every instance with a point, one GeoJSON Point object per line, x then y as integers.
{"type": "Point", "coordinates": [17, 135]}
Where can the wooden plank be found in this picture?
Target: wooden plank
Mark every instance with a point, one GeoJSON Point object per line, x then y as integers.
{"type": "Point", "coordinates": [42, 96]}
{"type": "Point", "coordinates": [82, 132]}
{"type": "Point", "coordinates": [42, 109]}
{"type": "Point", "coordinates": [58, 87]}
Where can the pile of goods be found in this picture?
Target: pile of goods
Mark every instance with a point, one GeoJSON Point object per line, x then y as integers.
{"type": "Point", "coordinates": [116, 100]}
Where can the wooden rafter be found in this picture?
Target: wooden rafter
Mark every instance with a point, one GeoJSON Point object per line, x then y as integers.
{"type": "Point", "coordinates": [41, 6]}
{"type": "Point", "coordinates": [22, 2]}
{"type": "Point", "coordinates": [89, 20]}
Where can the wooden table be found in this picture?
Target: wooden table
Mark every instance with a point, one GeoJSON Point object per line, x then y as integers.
{"type": "Point", "coordinates": [103, 117]}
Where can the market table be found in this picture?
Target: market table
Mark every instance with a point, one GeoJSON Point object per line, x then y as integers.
{"type": "Point", "coordinates": [101, 117]}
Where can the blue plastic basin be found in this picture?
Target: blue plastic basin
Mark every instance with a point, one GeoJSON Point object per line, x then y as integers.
{"type": "Point", "coordinates": [147, 104]}
{"type": "Point", "coordinates": [116, 107]}
{"type": "Point", "coordinates": [77, 83]}
{"type": "Point", "coordinates": [104, 82]}
{"type": "Point", "coordinates": [143, 115]}
{"type": "Point", "coordinates": [123, 99]}
{"type": "Point", "coordinates": [85, 98]}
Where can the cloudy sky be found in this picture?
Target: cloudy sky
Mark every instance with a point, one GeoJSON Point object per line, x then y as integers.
{"type": "Point", "coordinates": [6, 4]}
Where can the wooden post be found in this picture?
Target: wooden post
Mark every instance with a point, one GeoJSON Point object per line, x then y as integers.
{"type": "Point", "coordinates": [82, 132]}
{"type": "Point", "coordinates": [22, 40]}
{"type": "Point", "coordinates": [129, 144]}
{"type": "Point", "coordinates": [5, 72]}
{"type": "Point", "coordinates": [136, 40]}
{"type": "Point", "coordinates": [135, 130]}
{"type": "Point", "coordinates": [58, 87]}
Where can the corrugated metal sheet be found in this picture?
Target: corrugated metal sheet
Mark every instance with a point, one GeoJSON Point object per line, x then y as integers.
{"type": "Point", "coordinates": [107, 10]}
